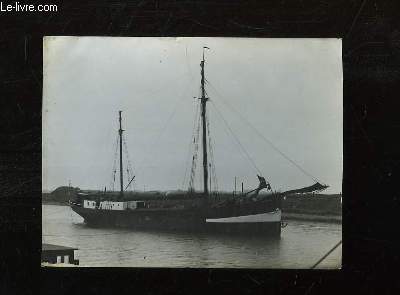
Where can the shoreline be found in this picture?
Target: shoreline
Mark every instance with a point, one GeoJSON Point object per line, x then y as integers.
{"type": "Point", "coordinates": [286, 216]}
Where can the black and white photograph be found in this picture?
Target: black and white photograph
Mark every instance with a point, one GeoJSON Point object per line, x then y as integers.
{"type": "Point", "coordinates": [192, 152]}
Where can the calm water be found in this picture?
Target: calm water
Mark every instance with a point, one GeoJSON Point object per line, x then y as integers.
{"type": "Point", "coordinates": [302, 244]}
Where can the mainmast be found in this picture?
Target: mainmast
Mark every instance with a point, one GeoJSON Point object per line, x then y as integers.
{"type": "Point", "coordinates": [204, 123]}
{"type": "Point", "coordinates": [121, 175]}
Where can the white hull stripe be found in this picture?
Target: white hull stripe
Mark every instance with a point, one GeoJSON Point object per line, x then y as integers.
{"type": "Point", "coordinates": [274, 216]}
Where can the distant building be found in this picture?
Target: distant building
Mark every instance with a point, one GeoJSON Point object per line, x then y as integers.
{"type": "Point", "coordinates": [55, 254]}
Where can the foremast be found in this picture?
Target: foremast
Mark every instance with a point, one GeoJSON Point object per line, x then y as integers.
{"type": "Point", "coordinates": [203, 100]}
{"type": "Point", "coordinates": [121, 175]}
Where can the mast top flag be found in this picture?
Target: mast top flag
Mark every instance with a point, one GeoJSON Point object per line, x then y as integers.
{"type": "Point", "coordinates": [205, 47]}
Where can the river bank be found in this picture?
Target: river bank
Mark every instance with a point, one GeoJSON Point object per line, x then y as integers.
{"type": "Point", "coordinates": [312, 217]}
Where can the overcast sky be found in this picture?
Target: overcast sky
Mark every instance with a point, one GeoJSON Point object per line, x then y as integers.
{"type": "Point", "coordinates": [290, 90]}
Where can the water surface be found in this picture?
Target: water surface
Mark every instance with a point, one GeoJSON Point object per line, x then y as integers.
{"type": "Point", "coordinates": [301, 245]}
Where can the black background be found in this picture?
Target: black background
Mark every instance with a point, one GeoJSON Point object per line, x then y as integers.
{"type": "Point", "coordinates": [371, 59]}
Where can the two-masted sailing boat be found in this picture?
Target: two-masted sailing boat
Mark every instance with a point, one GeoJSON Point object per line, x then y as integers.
{"type": "Point", "coordinates": [243, 213]}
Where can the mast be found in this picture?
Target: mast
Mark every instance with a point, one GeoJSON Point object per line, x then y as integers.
{"type": "Point", "coordinates": [203, 119]}
{"type": "Point", "coordinates": [210, 187]}
{"type": "Point", "coordinates": [121, 175]}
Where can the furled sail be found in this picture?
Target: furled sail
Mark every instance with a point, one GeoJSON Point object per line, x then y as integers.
{"type": "Point", "coordinates": [317, 187]}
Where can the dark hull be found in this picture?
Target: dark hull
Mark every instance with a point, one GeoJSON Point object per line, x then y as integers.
{"type": "Point", "coordinates": [192, 220]}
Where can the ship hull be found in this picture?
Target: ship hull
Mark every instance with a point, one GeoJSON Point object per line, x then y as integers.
{"type": "Point", "coordinates": [264, 223]}
{"type": "Point", "coordinates": [142, 219]}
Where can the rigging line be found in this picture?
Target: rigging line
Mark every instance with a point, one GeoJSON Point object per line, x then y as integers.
{"type": "Point", "coordinates": [240, 147]}
{"type": "Point", "coordinates": [210, 146]}
{"type": "Point", "coordinates": [211, 164]}
{"type": "Point", "coordinates": [266, 139]}
{"type": "Point", "coordinates": [195, 156]}
{"type": "Point", "coordinates": [130, 181]}
{"type": "Point", "coordinates": [212, 160]}
{"type": "Point", "coordinates": [129, 168]}
{"type": "Point", "coordinates": [114, 169]}
{"type": "Point", "coordinates": [159, 135]}
{"type": "Point", "coordinates": [164, 87]}
{"type": "Point", "coordinates": [237, 140]}
{"type": "Point", "coordinates": [172, 114]}
{"type": "Point", "coordinates": [197, 111]}
{"type": "Point", "coordinates": [110, 162]}
{"type": "Point", "coordinates": [191, 147]}
{"type": "Point", "coordinates": [127, 152]}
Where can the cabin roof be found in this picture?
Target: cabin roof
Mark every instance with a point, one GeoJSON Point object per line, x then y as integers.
{"type": "Point", "coordinates": [51, 247]}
